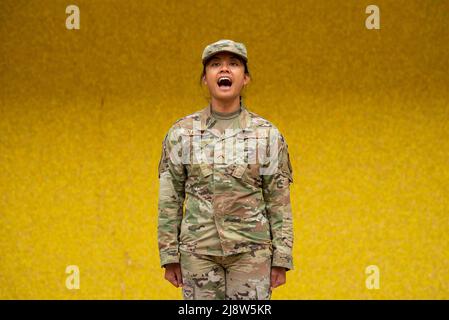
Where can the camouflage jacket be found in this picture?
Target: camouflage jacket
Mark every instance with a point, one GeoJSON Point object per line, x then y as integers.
{"type": "Point", "coordinates": [206, 202]}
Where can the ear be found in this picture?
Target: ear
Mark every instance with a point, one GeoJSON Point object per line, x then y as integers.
{"type": "Point", "coordinates": [204, 80]}
{"type": "Point", "coordinates": [246, 79]}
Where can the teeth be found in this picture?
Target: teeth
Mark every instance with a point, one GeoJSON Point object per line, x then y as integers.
{"type": "Point", "coordinates": [221, 78]}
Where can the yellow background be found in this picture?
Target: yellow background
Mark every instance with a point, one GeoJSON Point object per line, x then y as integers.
{"type": "Point", "coordinates": [364, 112]}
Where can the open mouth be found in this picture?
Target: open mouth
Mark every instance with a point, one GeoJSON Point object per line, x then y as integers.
{"type": "Point", "coordinates": [224, 82]}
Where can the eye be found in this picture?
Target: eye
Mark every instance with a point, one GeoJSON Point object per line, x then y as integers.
{"type": "Point", "coordinates": [214, 63]}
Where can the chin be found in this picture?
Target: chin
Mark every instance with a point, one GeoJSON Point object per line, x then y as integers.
{"type": "Point", "coordinates": [226, 95]}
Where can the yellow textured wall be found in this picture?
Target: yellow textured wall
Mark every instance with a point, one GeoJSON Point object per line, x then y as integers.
{"type": "Point", "coordinates": [83, 114]}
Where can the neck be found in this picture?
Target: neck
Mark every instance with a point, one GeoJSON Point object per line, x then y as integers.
{"type": "Point", "coordinates": [226, 106]}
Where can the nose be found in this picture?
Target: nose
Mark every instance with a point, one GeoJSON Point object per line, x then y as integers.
{"type": "Point", "coordinates": [224, 66]}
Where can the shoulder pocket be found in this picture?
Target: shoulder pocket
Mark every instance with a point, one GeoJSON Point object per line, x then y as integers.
{"type": "Point", "coordinates": [163, 161]}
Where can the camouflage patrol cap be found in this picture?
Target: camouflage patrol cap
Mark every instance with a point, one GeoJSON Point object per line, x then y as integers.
{"type": "Point", "coordinates": [225, 45]}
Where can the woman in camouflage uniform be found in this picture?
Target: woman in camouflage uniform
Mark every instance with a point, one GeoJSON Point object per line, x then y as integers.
{"type": "Point", "coordinates": [231, 171]}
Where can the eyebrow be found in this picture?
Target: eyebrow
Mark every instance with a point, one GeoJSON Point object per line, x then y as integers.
{"type": "Point", "coordinates": [232, 58]}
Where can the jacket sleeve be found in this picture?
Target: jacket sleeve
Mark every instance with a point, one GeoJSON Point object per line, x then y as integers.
{"type": "Point", "coordinates": [276, 191]}
{"type": "Point", "coordinates": [172, 177]}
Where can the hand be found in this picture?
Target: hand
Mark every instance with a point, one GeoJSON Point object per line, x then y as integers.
{"type": "Point", "coordinates": [173, 274]}
{"type": "Point", "coordinates": [277, 276]}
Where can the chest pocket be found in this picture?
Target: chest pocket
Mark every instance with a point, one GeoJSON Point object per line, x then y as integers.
{"type": "Point", "coordinates": [239, 170]}
{"type": "Point", "coordinates": [250, 148]}
{"type": "Point", "coordinates": [196, 153]}
{"type": "Point", "coordinates": [205, 169]}
{"type": "Point", "coordinates": [247, 174]}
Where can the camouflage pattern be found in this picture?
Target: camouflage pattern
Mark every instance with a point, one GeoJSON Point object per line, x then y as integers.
{"type": "Point", "coordinates": [243, 276]}
{"type": "Point", "coordinates": [225, 45]}
{"type": "Point", "coordinates": [223, 209]}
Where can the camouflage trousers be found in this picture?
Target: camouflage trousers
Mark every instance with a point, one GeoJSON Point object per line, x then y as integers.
{"type": "Point", "coordinates": [242, 276]}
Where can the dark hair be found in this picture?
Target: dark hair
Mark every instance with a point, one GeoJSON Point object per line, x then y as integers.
{"type": "Point", "coordinates": [236, 56]}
